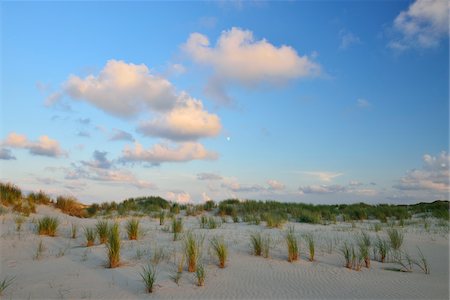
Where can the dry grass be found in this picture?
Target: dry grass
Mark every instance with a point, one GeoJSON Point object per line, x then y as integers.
{"type": "Point", "coordinates": [89, 234]}
{"type": "Point", "coordinates": [220, 250]}
{"type": "Point", "coordinates": [132, 227]}
{"type": "Point", "coordinates": [192, 249]}
{"type": "Point", "coordinates": [48, 226]}
{"type": "Point", "coordinates": [102, 228]}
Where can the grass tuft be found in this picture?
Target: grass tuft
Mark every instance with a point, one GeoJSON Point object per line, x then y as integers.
{"type": "Point", "coordinates": [220, 249]}
{"type": "Point", "coordinates": [102, 230]}
{"type": "Point", "coordinates": [383, 248]}
{"type": "Point", "coordinates": [292, 244]}
{"type": "Point", "coordinates": [200, 273]}
{"type": "Point", "coordinates": [113, 246]}
{"type": "Point", "coordinates": [74, 230]}
{"type": "Point", "coordinates": [5, 283]}
{"type": "Point", "coordinates": [309, 237]}
{"type": "Point", "coordinates": [346, 251]}
{"type": "Point", "coordinates": [48, 226]}
{"type": "Point", "coordinates": [192, 249]}
{"type": "Point", "coordinates": [364, 243]}
{"type": "Point", "coordinates": [256, 241]}
{"type": "Point", "coordinates": [162, 217]}
{"type": "Point", "coordinates": [395, 238]}
{"type": "Point", "coordinates": [89, 234]}
{"type": "Point", "coordinates": [422, 263]}
{"type": "Point", "coordinates": [177, 227]}
{"type": "Point", "coordinates": [148, 276]}
{"type": "Point", "coordinates": [132, 227]}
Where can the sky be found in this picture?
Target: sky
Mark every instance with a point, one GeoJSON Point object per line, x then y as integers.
{"type": "Point", "coordinates": [299, 101]}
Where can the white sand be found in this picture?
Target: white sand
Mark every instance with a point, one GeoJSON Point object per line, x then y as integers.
{"type": "Point", "coordinates": [67, 269]}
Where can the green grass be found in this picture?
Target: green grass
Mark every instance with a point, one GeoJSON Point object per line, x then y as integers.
{"type": "Point", "coordinates": [132, 227]}
{"type": "Point", "coordinates": [395, 238]}
{"type": "Point", "coordinates": [5, 283]}
{"type": "Point", "coordinates": [220, 249]}
{"type": "Point", "coordinates": [383, 247]}
{"type": "Point", "coordinates": [256, 242]}
{"type": "Point", "coordinates": [177, 227]}
{"type": "Point", "coordinates": [200, 273]}
{"type": "Point", "coordinates": [203, 222]}
{"type": "Point", "coordinates": [346, 251]}
{"type": "Point", "coordinates": [102, 230]}
{"type": "Point", "coordinates": [89, 234]}
{"type": "Point", "coordinates": [364, 244]}
{"type": "Point", "coordinates": [213, 223]}
{"type": "Point", "coordinates": [162, 217]}
{"type": "Point", "coordinates": [192, 249]}
{"type": "Point", "coordinates": [266, 245]}
{"type": "Point", "coordinates": [292, 244]}
{"type": "Point", "coordinates": [422, 263]}
{"type": "Point", "coordinates": [48, 226]}
{"type": "Point", "coordinates": [274, 221]}
{"type": "Point", "coordinates": [310, 241]}
{"type": "Point", "coordinates": [148, 275]}
{"type": "Point", "coordinates": [113, 246]}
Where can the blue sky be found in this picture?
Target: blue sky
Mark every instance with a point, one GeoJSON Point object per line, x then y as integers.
{"type": "Point", "coordinates": [327, 102]}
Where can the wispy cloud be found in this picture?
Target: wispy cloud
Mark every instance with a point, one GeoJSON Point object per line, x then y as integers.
{"type": "Point", "coordinates": [323, 175]}
{"type": "Point", "coordinates": [347, 39]}
{"type": "Point", "coordinates": [208, 176]}
{"type": "Point", "coordinates": [44, 146]}
{"type": "Point", "coordinates": [363, 103]}
{"type": "Point", "coordinates": [120, 135]}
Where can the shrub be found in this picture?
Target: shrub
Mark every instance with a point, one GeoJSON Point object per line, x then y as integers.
{"type": "Point", "coordinates": [256, 243]}
{"type": "Point", "coordinates": [395, 238]}
{"type": "Point", "coordinates": [102, 230]}
{"type": "Point", "coordinates": [292, 244]}
{"type": "Point", "coordinates": [113, 246]}
{"type": "Point", "coordinates": [309, 237]}
{"type": "Point", "coordinates": [132, 227]}
{"type": "Point", "coordinates": [200, 273]}
{"type": "Point", "coordinates": [192, 249]}
{"type": "Point", "coordinates": [89, 234]}
{"type": "Point", "coordinates": [48, 226]}
{"type": "Point", "coordinates": [209, 205]}
{"type": "Point", "coordinates": [220, 249]}
{"type": "Point", "coordinates": [148, 275]}
{"type": "Point", "coordinates": [177, 227]}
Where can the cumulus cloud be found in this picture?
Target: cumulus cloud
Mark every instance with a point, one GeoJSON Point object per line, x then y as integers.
{"type": "Point", "coordinates": [187, 121]}
{"type": "Point", "coordinates": [347, 39]}
{"type": "Point", "coordinates": [44, 146]}
{"type": "Point", "coordinates": [422, 25]}
{"type": "Point", "coordinates": [433, 176]}
{"type": "Point", "coordinates": [159, 153]}
{"type": "Point", "coordinates": [99, 160]}
{"type": "Point", "coordinates": [120, 135]}
{"type": "Point", "coordinates": [238, 58]}
{"type": "Point", "coordinates": [323, 175]}
{"type": "Point", "coordinates": [322, 189]}
{"type": "Point", "coordinates": [275, 185]}
{"type": "Point", "coordinates": [120, 89]}
{"type": "Point", "coordinates": [209, 176]}
{"type": "Point", "coordinates": [5, 154]}
{"type": "Point", "coordinates": [179, 197]}
{"type": "Point", "coordinates": [237, 187]}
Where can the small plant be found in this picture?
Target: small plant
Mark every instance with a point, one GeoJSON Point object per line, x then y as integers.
{"type": "Point", "coordinates": [39, 250]}
{"type": "Point", "coordinates": [396, 238]}
{"type": "Point", "coordinates": [422, 263]}
{"type": "Point", "coordinates": [179, 269]}
{"type": "Point", "coordinates": [89, 234]}
{"type": "Point", "coordinates": [5, 283]}
{"type": "Point", "coordinates": [266, 246]}
{"type": "Point", "coordinates": [292, 244]}
{"type": "Point", "coordinates": [132, 227]}
{"type": "Point", "coordinates": [148, 276]}
{"type": "Point", "coordinates": [404, 260]}
{"type": "Point", "coordinates": [309, 237]}
{"type": "Point", "coordinates": [48, 226]}
{"type": "Point", "coordinates": [102, 230]}
{"type": "Point", "coordinates": [192, 250]}
{"type": "Point", "coordinates": [347, 251]}
{"type": "Point", "coordinates": [19, 221]}
{"type": "Point", "coordinates": [235, 218]}
{"type": "Point", "coordinates": [256, 243]}
{"type": "Point", "coordinates": [220, 249]}
{"type": "Point", "coordinates": [162, 217]}
{"type": "Point", "coordinates": [200, 273]}
{"type": "Point", "coordinates": [113, 246]}
{"type": "Point", "coordinates": [364, 244]}
{"type": "Point", "coordinates": [383, 248]}
{"type": "Point", "coordinates": [177, 227]}
{"type": "Point", "coordinates": [74, 230]}
{"type": "Point", "coordinates": [377, 227]}
{"type": "Point", "coordinates": [203, 221]}
{"type": "Point", "coordinates": [274, 221]}
{"type": "Point", "coordinates": [212, 223]}
{"type": "Point", "coordinates": [158, 255]}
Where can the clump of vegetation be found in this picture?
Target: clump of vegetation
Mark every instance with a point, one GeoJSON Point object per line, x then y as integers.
{"type": "Point", "coordinates": [19, 221]}
{"type": "Point", "coordinates": [179, 269]}
{"type": "Point", "coordinates": [5, 283]}
{"type": "Point", "coordinates": [200, 273]}
{"type": "Point", "coordinates": [102, 227]}
{"type": "Point", "coordinates": [39, 250]}
{"type": "Point", "coordinates": [212, 223]}
{"type": "Point", "coordinates": [404, 260]}
{"type": "Point", "coordinates": [422, 262]}
{"type": "Point", "coordinates": [89, 234]}
{"type": "Point", "coordinates": [192, 249]}
{"type": "Point", "coordinates": [256, 241]}
{"type": "Point", "coordinates": [203, 222]}
{"type": "Point", "coordinates": [148, 276]}
{"type": "Point", "coordinates": [74, 230]}
{"type": "Point", "coordinates": [292, 244]}
{"type": "Point", "coordinates": [132, 227]}
{"type": "Point", "coordinates": [113, 246]}
{"type": "Point", "coordinates": [209, 205]}
{"type": "Point", "coordinates": [70, 205]}
{"type": "Point", "coordinates": [9, 194]}
{"type": "Point", "coordinates": [266, 245]}
{"type": "Point", "coordinates": [309, 237]}
{"type": "Point", "coordinates": [162, 217]}
{"type": "Point", "coordinates": [177, 227]}
{"type": "Point", "coordinates": [364, 244]}
{"type": "Point", "coordinates": [39, 198]}
{"type": "Point", "coordinates": [220, 249]}
{"type": "Point", "coordinates": [395, 238]}
{"type": "Point", "coordinates": [274, 221]}
{"type": "Point", "coordinates": [383, 248]}
{"type": "Point", "coordinates": [48, 226]}
{"type": "Point", "coordinates": [347, 251]}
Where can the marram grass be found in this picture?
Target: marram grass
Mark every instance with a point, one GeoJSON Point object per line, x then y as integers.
{"type": "Point", "coordinates": [113, 246]}
{"type": "Point", "coordinates": [220, 250]}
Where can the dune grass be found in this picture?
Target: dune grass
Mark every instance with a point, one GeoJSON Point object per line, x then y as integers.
{"type": "Point", "coordinates": [346, 251]}
{"type": "Point", "coordinates": [266, 246]}
{"type": "Point", "coordinates": [275, 221]}
{"type": "Point", "coordinates": [148, 275]}
{"type": "Point", "coordinates": [162, 217]}
{"type": "Point", "coordinates": [102, 227]}
{"type": "Point", "coordinates": [159, 254]}
{"type": "Point", "coordinates": [309, 238]}
{"type": "Point", "coordinates": [74, 230]}
{"type": "Point", "coordinates": [292, 244]}
{"type": "Point", "coordinates": [177, 227]}
{"type": "Point", "coordinates": [48, 226]}
{"type": "Point", "coordinates": [364, 244]}
{"type": "Point", "coordinates": [192, 249]}
{"type": "Point", "coordinates": [5, 283]}
{"type": "Point", "coordinates": [203, 221]}
{"type": "Point", "coordinates": [220, 249]}
{"type": "Point", "coordinates": [90, 234]}
{"type": "Point", "coordinates": [19, 220]}
{"type": "Point", "coordinates": [395, 238]}
{"type": "Point", "coordinates": [256, 242]}
{"type": "Point", "coordinates": [39, 250]}
{"type": "Point", "coordinates": [422, 263]}
{"type": "Point", "coordinates": [113, 246]}
{"type": "Point", "coordinates": [200, 273]}
{"type": "Point", "coordinates": [213, 223]}
{"type": "Point", "coordinates": [383, 248]}
{"type": "Point", "coordinates": [176, 276]}
{"type": "Point", "coordinates": [132, 227]}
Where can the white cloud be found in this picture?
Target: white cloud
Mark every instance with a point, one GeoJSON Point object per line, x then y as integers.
{"type": "Point", "coordinates": [322, 189]}
{"type": "Point", "coordinates": [347, 39]}
{"type": "Point", "coordinates": [323, 175]}
{"type": "Point", "coordinates": [433, 176]}
{"type": "Point", "coordinates": [205, 197]}
{"type": "Point", "coordinates": [120, 135]}
{"type": "Point", "coordinates": [159, 153]}
{"type": "Point", "coordinates": [422, 25]}
{"type": "Point", "coordinates": [179, 197]}
{"type": "Point", "coordinates": [237, 187]}
{"type": "Point", "coordinates": [363, 103]}
{"type": "Point", "coordinates": [121, 89]}
{"type": "Point", "coordinates": [176, 69]}
{"type": "Point", "coordinates": [187, 121]}
{"type": "Point", "coordinates": [239, 58]}
{"type": "Point", "coordinates": [209, 176]}
{"type": "Point", "coordinates": [45, 146]}
{"type": "Point", "coordinates": [275, 185]}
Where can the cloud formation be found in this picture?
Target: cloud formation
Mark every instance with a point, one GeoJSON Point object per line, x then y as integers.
{"type": "Point", "coordinates": [208, 176]}
{"type": "Point", "coordinates": [5, 154]}
{"type": "Point", "coordinates": [275, 185]}
{"type": "Point", "coordinates": [363, 103]}
{"type": "Point", "coordinates": [433, 176]}
{"type": "Point", "coordinates": [347, 39]}
{"type": "Point", "coordinates": [159, 153]}
{"type": "Point", "coordinates": [44, 146]}
{"type": "Point", "coordinates": [422, 25]}
{"type": "Point", "coordinates": [120, 135]}
{"type": "Point", "coordinates": [238, 58]}
{"type": "Point", "coordinates": [322, 189]}
{"type": "Point", "coordinates": [323, 175]}
{"type": "Point", "coordinates": [179, 197]}
{"type": "Point", "coordinates": [187, 121]}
